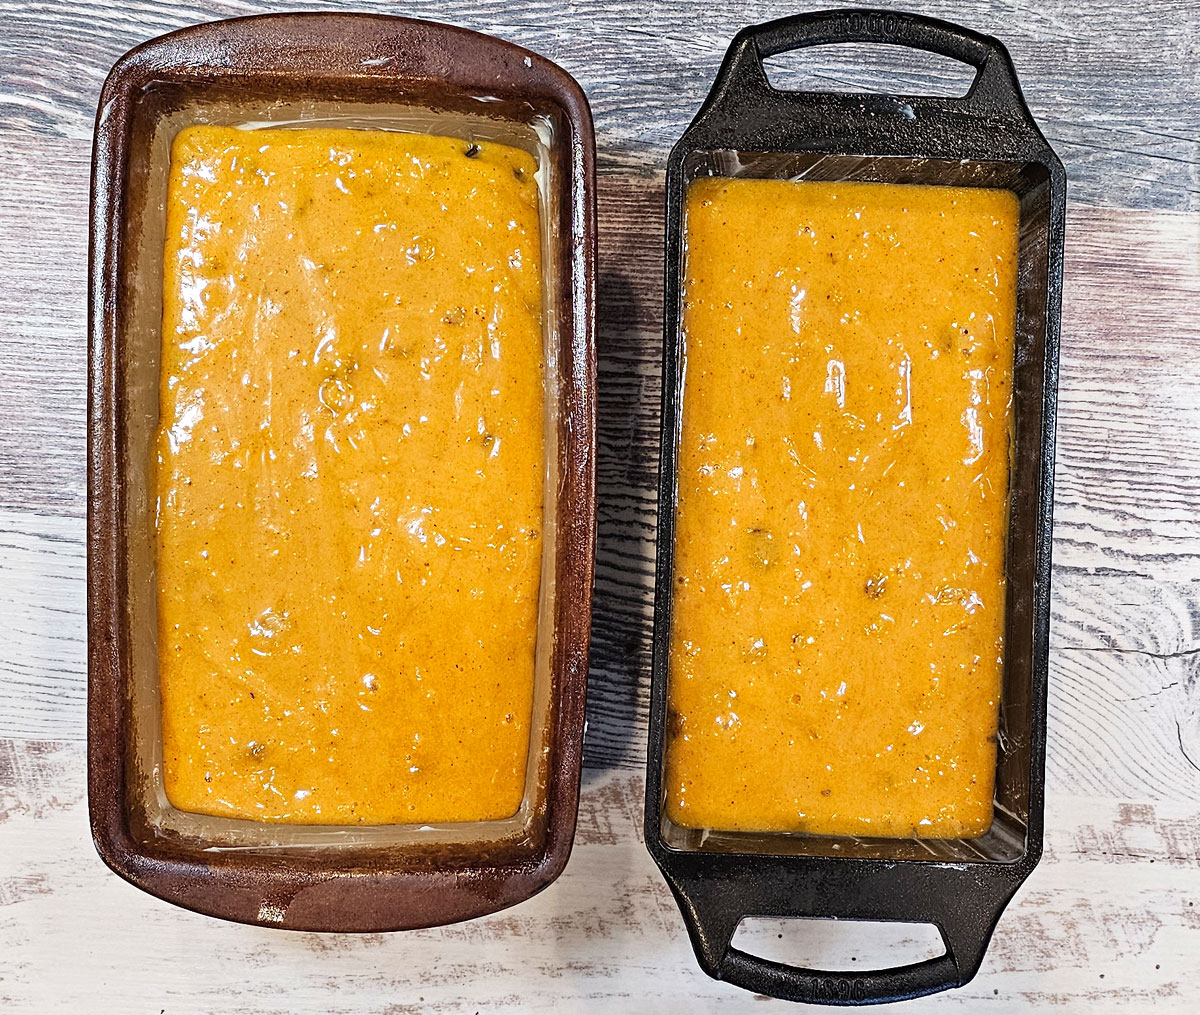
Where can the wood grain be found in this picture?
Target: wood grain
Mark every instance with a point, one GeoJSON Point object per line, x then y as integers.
{"type": "Point", "coordinates": [1113, 85]}
{"type": "Point", "coordinates": [1109, 912]}
{"type": "Point", "coordinates": [43, 664]}
{"type": "Point", "coordinates": [1127, 598]}
{"type": "Point", "coordinates": [1110, 921]}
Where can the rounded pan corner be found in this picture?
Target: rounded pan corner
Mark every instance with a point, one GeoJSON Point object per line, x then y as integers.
{"type": "Point", "coordinates": [366, 897]}
{"type": "Point", "coordinates": [111, 840]}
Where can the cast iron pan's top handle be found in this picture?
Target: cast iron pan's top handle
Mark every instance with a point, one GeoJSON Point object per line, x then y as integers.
{"type": "Point", "coordinates": [713, 918]}
{"type": "Point", "coordinates": [995, 84]}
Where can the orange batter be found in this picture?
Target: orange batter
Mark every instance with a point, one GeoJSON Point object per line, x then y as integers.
{"type": "Point", "coordinates": [837, 642]}
{"type": "Point", "coordinates": [350, 475]}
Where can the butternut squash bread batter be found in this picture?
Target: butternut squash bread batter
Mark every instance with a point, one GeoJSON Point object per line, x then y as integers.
{"type": "Point", "coordinates": [837, 642]}
{"type": "Point", "coordinates": [350, 475]}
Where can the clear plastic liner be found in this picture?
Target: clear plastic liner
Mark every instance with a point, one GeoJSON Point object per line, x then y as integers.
{"type": "Point", "coordinates": [141, 420]}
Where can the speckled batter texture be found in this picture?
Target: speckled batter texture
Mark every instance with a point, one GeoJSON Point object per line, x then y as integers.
{"type": "Point", "coordinates": [350, 475]}
{"type": "Point", "coordinates": [837, 643]}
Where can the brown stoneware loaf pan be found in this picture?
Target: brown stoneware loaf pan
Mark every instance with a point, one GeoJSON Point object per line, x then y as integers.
{"type": "Point", "coordinates": [327, 70]}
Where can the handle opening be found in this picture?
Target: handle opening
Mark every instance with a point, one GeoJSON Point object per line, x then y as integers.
{"type": "Point", "coordinates": [838, 945]}
{"type": "Point", "coordinates": [821, 984]}
{"type": "Point", "coordinates": [851, 67]}
{"type": "Point", "coordinates": [961, 936]}
{"type": "Point", "coordinates": [937, 47]}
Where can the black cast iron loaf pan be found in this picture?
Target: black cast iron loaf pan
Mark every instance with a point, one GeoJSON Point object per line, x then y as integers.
{"type": "Point", "coordinates": [986, 138]}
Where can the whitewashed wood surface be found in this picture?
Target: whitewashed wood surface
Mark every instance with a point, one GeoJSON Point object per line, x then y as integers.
{"type": "Point", "coordinates": [1110, 921]}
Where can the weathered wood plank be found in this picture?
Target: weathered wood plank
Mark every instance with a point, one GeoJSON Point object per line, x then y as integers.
{"type": "Point", "coordinates": [1127, 539]}
{"type": "Point", "coordinates": [606, 934]}
{"type": "Point", "coordinates": [1114, 86]}
{"type": "Point", "coordinates": [43, 638]}
{"type": "Point", "coordinates": [43, 291]}
{"type": "Point", "coordinates": [1125, 710]}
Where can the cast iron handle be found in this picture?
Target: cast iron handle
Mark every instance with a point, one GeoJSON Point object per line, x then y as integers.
{"type": "Point", "coordinates": [713, 918]}
{"type": "Point", "coordinates": [995, 83]}
{"type": "Point", "coordinates": [871, 986]}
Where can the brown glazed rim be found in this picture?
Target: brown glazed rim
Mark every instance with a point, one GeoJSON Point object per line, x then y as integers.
{"type": "Point", "coordinates": [359, 888]}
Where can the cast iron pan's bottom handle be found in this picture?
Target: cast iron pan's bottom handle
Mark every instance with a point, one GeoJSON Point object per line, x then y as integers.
{"type": "Point", "coordinates": [876, 986]}
{"type": "Point", "coordinates": [712, 915]}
